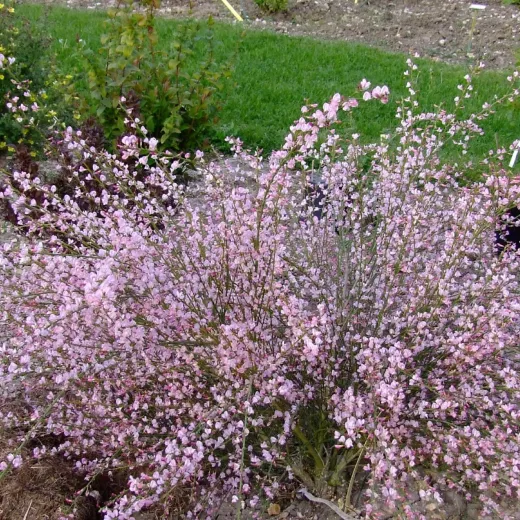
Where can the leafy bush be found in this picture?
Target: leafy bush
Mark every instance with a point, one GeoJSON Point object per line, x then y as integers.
{"type": "Point", "coordinates": [220, 345]}
{"type": "Point", "coordinates": [272, 6]}
{"type": "Point", "coordinates": [173, 93]}
{"type": "Point", "coordinates": [31, 90]}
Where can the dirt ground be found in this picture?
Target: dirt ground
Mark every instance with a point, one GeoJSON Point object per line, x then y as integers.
{"type": "Point", "coordinates": [440, 29]}
{"type": "Point", "coordinates": [45, 490]}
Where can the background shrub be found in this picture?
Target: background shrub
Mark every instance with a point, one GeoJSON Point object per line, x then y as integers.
{"type": "Point", "coordinates": [272, 6]}
{"type": "Point", "coordinates": [31, 85]}
{"type": "Point", "coordinates": [170, 92]}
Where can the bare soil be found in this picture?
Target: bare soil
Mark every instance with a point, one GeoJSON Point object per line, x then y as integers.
{"type": "Point", "coordinates": [446, 30]}
{"type": "Point", "coordinates": [47, 490]}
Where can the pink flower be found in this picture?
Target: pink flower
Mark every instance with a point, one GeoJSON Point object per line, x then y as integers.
{"type": "Point", "coordinates": [381, 93]}
{"type": "Point", "coordinates": [364, 84]}
{"type": "Point", "coordinates": [152, 144]}
{"type": "Point", "coordinates": [350, 103]}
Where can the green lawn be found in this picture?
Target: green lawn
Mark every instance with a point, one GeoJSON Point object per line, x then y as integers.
{"type": "Point", "coordinates": [274, 74]}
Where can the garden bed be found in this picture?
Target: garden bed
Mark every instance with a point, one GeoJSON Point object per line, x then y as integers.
{"type": "Point", "coordinates": [188, 346]}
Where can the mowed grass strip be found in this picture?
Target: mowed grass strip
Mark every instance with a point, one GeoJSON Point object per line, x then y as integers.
{"type": "Point", "coordinates": [275, 74]}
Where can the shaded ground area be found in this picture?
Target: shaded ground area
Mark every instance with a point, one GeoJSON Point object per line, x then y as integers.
{"type": "Point", "coordinates": [45, 490]}
{"type": "Point", "coordinates": [443, 30]}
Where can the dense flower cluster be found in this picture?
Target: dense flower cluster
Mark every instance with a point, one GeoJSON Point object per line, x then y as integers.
{"type": "Point", "coordinates": [208, 345]}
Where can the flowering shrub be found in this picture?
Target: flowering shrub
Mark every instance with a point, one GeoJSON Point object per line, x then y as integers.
{"type": "Point", "coordinates": [221, 345]}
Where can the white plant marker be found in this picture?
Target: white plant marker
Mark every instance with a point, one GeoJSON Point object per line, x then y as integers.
{"type": "Point", "coordinates": [515, 155]}
{"type": "Point", "coordinates": [474, 8]}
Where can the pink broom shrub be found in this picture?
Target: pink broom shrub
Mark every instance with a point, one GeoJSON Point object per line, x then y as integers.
{"type": "Point", "coordinates": [221, 344]}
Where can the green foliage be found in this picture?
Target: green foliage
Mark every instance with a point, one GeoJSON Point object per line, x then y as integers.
{"type": "Point", "coordinates": [170, 91]}
{"type": "Point", "coordinates": [31, 80]}
{"type": "Point", "coordinates": [272, 6]}
{"type": "Point", "coordinates": [275, 73]}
